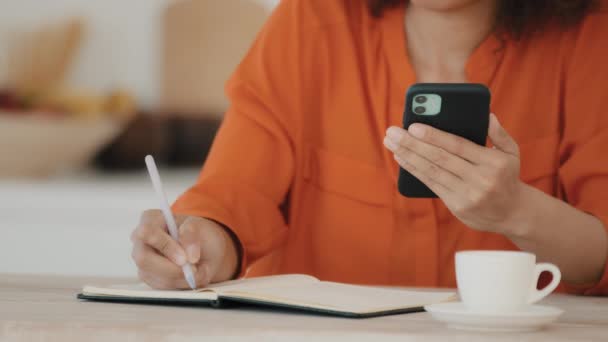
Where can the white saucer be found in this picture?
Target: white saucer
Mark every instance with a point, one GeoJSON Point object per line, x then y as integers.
{"type": "Point", "coordinates": [457, 316]}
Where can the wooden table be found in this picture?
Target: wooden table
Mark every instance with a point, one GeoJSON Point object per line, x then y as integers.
{"type": "Point", "coordinates": [43, 308]}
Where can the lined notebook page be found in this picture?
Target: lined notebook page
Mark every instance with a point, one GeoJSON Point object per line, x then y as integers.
{"type": "Point", "coordinates": [343, 297]}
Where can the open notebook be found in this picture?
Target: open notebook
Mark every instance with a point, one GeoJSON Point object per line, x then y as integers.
{"type": "Point", "coordinates": [297, 292]}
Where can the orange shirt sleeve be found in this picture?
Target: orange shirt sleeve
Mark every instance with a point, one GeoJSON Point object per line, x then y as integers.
{"type": "Point", "coordinates": [584, 148]}
{"type": "Point", "coordinates": [251, 165]}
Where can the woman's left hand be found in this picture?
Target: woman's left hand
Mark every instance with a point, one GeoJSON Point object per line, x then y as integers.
{"type": "Point", "coordinates": [479, 185]}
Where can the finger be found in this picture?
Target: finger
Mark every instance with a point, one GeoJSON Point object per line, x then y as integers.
{"type": "Point", "coordinates": [454, 144]}
{"type": "Point", "coordinates": [439, 189]}
{"type": "Point", "coordinates": [501, 138]}
{"type": "Point", "coordinates": [177, 283]}
{"type": "Point", "coordinates": [190, 238]}
{"type": "Point", "coordinates": [155, 218]}
{"type": "Point", "coordinates": [149, 261]}
{"type": "Point", "coordinates": [398, 139]}
{"type": "Point", "coordinates": [153, 234]}
{"type": "Point", "coordinates": [161, 283]}
{"type": "Point", "coordinates": [154, 281]}
{"type": "Point", "coordinates": [430, 170]}
{"type": "Point", "coordinates": [149, 280]}
{"type": "Point", "coordinates": [204, 246]}
{"type": "Point", "coordinates": [203, 275]}
{"type": "Point", "coordinates": [152, 217]}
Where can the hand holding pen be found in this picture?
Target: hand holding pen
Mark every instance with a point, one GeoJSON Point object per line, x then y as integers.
{"type": "Point", "coordinates": [202, 247]}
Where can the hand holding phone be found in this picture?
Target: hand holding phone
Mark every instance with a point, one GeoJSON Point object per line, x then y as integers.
{"type": "Point", "coordinates": [461, 109]}
{"type": "Point", "coordinates": [446, 157]}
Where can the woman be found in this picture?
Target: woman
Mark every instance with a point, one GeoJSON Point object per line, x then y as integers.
{"type": "Point", "coordinates": [302, 175]}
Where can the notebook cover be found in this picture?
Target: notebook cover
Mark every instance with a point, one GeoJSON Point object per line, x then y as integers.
{"type": "Point", "coordinates": [157, 301]}
{"type": "Point", "coordinates": [317, 311]}
{"type": "Point", "coordinates": [223, 302]}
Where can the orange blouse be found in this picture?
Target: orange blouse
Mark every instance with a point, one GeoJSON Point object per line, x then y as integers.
{"type": "Point", "coordinates": [298, 170]}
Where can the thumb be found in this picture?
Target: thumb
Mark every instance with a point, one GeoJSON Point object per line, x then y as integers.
{"type": "Point", "coordinates": [500, 138]}
{"type": "Point", "coordinates": [190, 239]}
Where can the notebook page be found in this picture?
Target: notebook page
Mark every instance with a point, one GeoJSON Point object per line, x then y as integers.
{"type": "Point", "coordinates": [210, 293]}
{"type": "Point", "coordinates": [277, 281]}
{"type": "Point", "coordinates": [144, 291]}
{"type": "Point", "coordinates": [344, 297]}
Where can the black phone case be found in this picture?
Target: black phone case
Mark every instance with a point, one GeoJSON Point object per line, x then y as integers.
{"type": "Point", "coordinates": [465, 111]}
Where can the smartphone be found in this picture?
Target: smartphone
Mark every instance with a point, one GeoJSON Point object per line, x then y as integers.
{"type": "Point", "coordinates": [462, 109]}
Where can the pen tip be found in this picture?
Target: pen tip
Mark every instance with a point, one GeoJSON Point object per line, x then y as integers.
{"type": "Point", "coordinates": [189, 275]}
{"type": "Point", "coordinates": [191, 282]}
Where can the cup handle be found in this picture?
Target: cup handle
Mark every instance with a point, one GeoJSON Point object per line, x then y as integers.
{"type": "Point", "coordinates": [537, 295]}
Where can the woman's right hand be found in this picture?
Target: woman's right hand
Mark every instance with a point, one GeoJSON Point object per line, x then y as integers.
{"type": "Point", "coordinates": [202, 242]}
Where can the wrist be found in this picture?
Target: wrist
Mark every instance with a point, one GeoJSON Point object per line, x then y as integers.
{"type": "Point", "coordinates": [519, 223]}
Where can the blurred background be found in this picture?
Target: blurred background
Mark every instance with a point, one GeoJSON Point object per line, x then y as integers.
{"type": "Point", "coordinates": [87, 89]}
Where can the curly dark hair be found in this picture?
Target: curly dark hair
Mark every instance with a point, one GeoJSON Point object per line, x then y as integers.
{"type": "Point", "coordinates": [521, 17]}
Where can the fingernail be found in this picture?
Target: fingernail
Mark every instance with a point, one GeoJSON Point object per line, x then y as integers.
{"type": "Point", "coordinates": [394, 133]}
{"type": "Point", "coordinates": [417, 130]}
{"type": "Point", "coordinates": [180, 258]}
{"type": "Point", "coordinates": [193, 253]}
{"type": "Point", "coordinates": [390, 144]}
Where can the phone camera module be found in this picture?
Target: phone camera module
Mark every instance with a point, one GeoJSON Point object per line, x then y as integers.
{"type": "Point", "coordinates": [419, 110]}
{"type": "Point", "coordinates": [420, 99]}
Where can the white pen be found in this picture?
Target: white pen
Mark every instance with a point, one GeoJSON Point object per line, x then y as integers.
{"type": "Point", "coordinates": [164, 207]}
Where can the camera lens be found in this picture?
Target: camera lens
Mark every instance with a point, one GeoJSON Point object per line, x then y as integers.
{"type": "Point", "coordinates": [420, 99]}
{"type": "Point", "coordinates": [419, 110]}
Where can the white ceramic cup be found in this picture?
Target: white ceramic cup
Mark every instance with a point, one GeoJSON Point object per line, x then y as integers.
{"type": "Point", "coordinates": [501, 281]}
